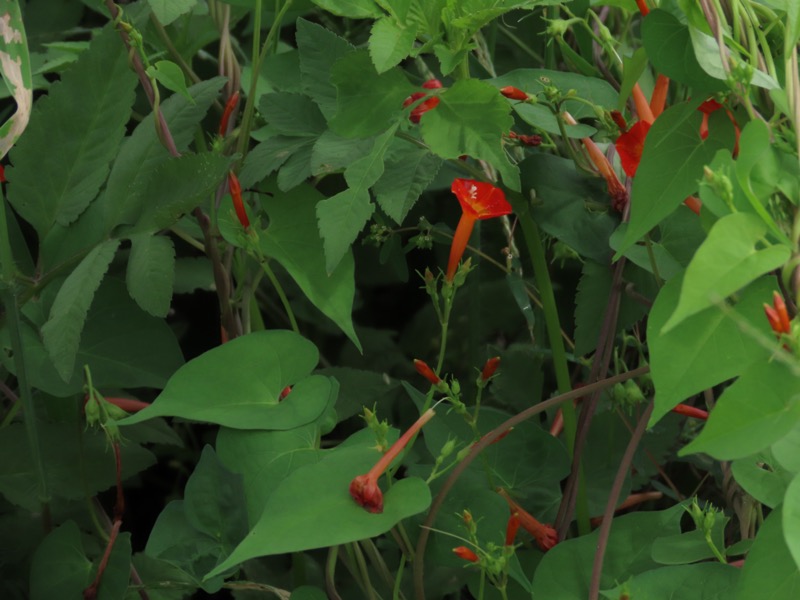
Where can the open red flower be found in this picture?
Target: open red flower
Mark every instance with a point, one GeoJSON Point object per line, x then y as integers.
{"type": "Point", "coordinates": [430, 103]}
{"type": "Point", "coordinates": [546, 537]}
{"type": "Point", "coordinates": [630, 146]}
{"type": "Point", "coordinates": [364, 488]}
{"type": "Point", "coordinates": [479, 200]}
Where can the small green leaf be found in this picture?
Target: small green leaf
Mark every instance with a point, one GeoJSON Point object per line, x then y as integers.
{"type": "Point", "coordinates": [705, 349]}
{"type": "Point", "coordinates": [471, 118]}
{"type": "Point", "coordinates": [312, 508]}
{"type": "Point", "coordinates": [672, 163]}
{"type": "Point", "coordinates": [169, 75]}
{"type": "Point", "coordinates": [62, 332]}
{"type": "Point", "coordinates": [738, 426]}
{"type": "Point", "coordinates": [770, 572]}
{"type": "Point", "coordinates": [727, 261]}
{"type": "Point", "coordinates": [389, 43]}
{"type": "Point", "coordinates": [166, 11]}
{"type": "Point", "coordinates": [239, 384]}
{"type": "Point", "coordinates": [366, 102]}
{"type": "Point", "coordinates": [60, 568]}
{"type": "Point", "coordinates": [151, 272]}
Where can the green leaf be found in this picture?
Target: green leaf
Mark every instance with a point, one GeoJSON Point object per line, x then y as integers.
{"type": "Point", "coordinates": [787, 450]}
{"type": "Point", "coordinates": [176, 187]}
{"type": "Point", "coordinates": [359, 388]}
{"type": "Point", "coordinates": [239, 384]}
{"type": "Point", "coordinates": [408, 171]}
{"type": "Point", "coordinates": [117, 573]}
{"type": "Point", "coordinates": [136, 351]}
{"type": "Point", "coordinates": [62, 332]}
{"type": "Point", "coordinates": [727, 261]}
{"type": "Point", "coordinates": [770, 572]}
{"type": "Point", "coordinates": [319, 50]}
{"type": "Point", "coordinates": [143, 152]}
{"type": "Point", "coordinates": [669, 48]}
{"type": "Point", "coordinates": [292, 239]}
{"type": "Point", "coordinates": [15, 66]}
{"type": "Point", "coordinates": [705, 349]}
{"type": "Point", "coordinates": [354, 9]}
{"type": "Point", "coordinates": [738, 427]}
{"type": "Point", "coordinates": [60, 568]}
{"type": "Point", "coordinates": [74, 132]}
{"type": "Point", "coordinates": [471, 118]}
{"type": "Point", "coordinates": [151, 272]}
{"type": "Point", "coordinates": [389, 43]}
{"type": "Point", "coordinates": [672, 163]}
{"type": "Point", "coordinates": [762, 476]}
{"type": "Point", "coordinates": [166, 11]}
{"type": "Point", "coordinates": [214, 501]}
{"type": "Point", "coordinates": [366, 102]}
{"type": "Point", "coordinates": [271, 154]}
{"type": "Point", "coordinates": [706, 50]}
{"type": "Point", "coordinates": [169, 75]}
{"type": "Point", "coordinates": [708, 581]}
{"type": "Point", "coordinates": [791, 519]}
{"type": "Point", "coordinates": [292, 114]}
{"type": "Point", "coordinates": [312, 508]}
{"type": "Point", "coordinates": [690, 546]}
{"type": "Point", "coordinates": [333, 152]}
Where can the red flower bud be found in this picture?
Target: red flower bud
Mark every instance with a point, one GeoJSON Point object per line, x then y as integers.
{"type": "Point", "coordinates": [226, 114]}
{"type": "Point", "coordinates": [465, 553]}
{"type": "Point", "coordinates": [513, 93]}
{"type": "Point", "coordinates": [691, 411]}
{"type": "Point", "coordinates": [490, 367]}
{"type": "Point", "coordinates": [511, 528]}
{"type": "Point", "coordinates": [783, 314]}
{"type": "Point", "coordinates": [236, 196]}
{"type": "Point", "coordinates": [423, 369]}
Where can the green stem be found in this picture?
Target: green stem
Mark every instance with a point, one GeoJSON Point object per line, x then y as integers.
{"type": "Point", "coordinates": [533, 242]}
{"type": "Point", "coordinates": [9, 297]}
{"type": "Point", "coordinates": [281, 294]}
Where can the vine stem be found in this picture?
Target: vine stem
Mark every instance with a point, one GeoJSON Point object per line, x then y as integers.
{"type": "Point", "coordinates": [487, 440]}
{"type": "Point", "coordinates": [613, 497]}
{"type": "Point", "coordinates": [533, 241]}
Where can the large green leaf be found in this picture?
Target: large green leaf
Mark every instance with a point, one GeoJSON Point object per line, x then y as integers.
{"type": "Point", "coordinates": [123, 346]}
{"type": "Point", "coordinates": [62, 332]}
{"type": "Point", "coordinates": [791, 519]}
{"type": "Point", "coordinates": [312, 508]}
{"type": "Point", "coordinates": [670, 51]}
{"type": "Point", "coordinates": [292, 114]}
{"type": "Point", "coordinates": [390, 42]}
{"type": "Point", "coordinates": [151, 272]}
{"type": "Point", "coordinates": [471, 118]}
{"type": "Point", "coordinates": [672, 163]}
{"type": "Point", "coordinates": [239, 385]}
{"type": "Point", "coordinates": [770, 572]}
{"type": "Point", "coordinates": [731, 257]}
{"type": "Point", "coordinates": [166, 11]}
{"type": "Point", "coordinates": [63, 159]}
{"type": "Point", "coordinates": [763, 477]}
{"type": "Point", "coordinates": [366, 102]}
{"type": "Point", "coordinates": [705, 349]}
{"type": "Point", "coordinates": [15, 66]}
{"type": "Point", "coordinates": [292, 239]}
{"type": "Point", "coordinates": [709, 581]}
{"type": "Point", "coordinates": [407, 172]}
{"type": "Point", "coordinates": [738, 426]}
{"type": "Point", "coordinates": [60, 568]}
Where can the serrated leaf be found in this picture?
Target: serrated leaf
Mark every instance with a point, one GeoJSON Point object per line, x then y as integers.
{"type": "Point", "coordinates": [63, 159]}
{"type": "Point", "coordinates": [672, 163]}
{"type": "Point", "coordinates": [313, 509]}
{"type": "Point", "coordinates": [389, 43]}
{"type": "Point", "coordinates": [178, 186]}
{"type": "Point", "coordinates": [151, 272]}
{"type": "Point", "coordinates": [166, 11]}
{"type": "Point", "coordinates": [354, 9]}
{"type": "Point", "coordinates": [738, 426]}
{"type": "Point", "coordinates": [319, 50]}
{"type": "Point", "coordinates": [471, 118]}
{"type": "Point", "coordinates": [727, 261]}
{"type": "Point", "coordinates": [366, 102]}
{"type": "Point", "coordinates": [292, 114]}
{"type": "Point", "coordinates": [168, 74]}
{"type": "Point", "coordinates": [408, 171]}
{"type": "Point", "coordinates": [270, 155]}
{"type": "Point", "coordinates": [15, 66]}
{"type": "Point", "coordinates": [62, 332]}
{"type": "Point", "coordinates": [239, 385]}
{"type": "Point", "coordinates": [333, 152]}
{"type": "Point", "coordinates": [704, 350]}
{"type": "Point", "coordinates": [143, 152]}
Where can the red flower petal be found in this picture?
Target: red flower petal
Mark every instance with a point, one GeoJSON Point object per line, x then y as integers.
{"type": "Point", "coordinates": [480, 199]}
{"type": "Point", "coordinates": [432, 84]}
{"type": "Point", "coordinates": [630, 145]}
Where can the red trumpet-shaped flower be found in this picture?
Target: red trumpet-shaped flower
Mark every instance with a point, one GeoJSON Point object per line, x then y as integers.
{"type": "Point", "coordinates": [546, 537]}
{"type": "Point", "coordinates": [430, 103]}
{"type": "Point", "coordinates": [364, 488]}
{"type": "Point", "coordinates": [479, 200]}
{"type": "Point", "coordinates": [236, 196]}
{"type": "Point", "coordinates": [226, 114]}
{"type": "Point", "coordinates": [465, 553]}
{"type": "Point", "coordinates": [511, 528]}
{"type": "Point", "coordinates": [691, 411]}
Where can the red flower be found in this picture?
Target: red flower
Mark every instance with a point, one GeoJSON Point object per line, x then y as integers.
{"type": "Point", "coordinates": [226, 114]}
{"type": "Point", "coordinates": [479, 200]}
{"type": "Point", "coordinates": [465, 553]}
{"type": "Point", "coordinates": [511, 528]}
{"type": "Point", "coordinates": [777, 315]}
{"type": "Point", "coordinates": [630, 145]}
{"type": "Point", "coordinates": [236, 196]}
{"type": "Point", "coordinates": [423, 369]}
{"type": "Point", "coordinates": [364, 488]}
{"type": "Point", "coordinates": [2, 174]}
{"type": "Point", "coordinates": [430, 103]}
{"type": "Point", "coordinates": [691, 411]}
{"type": "Point", "coordinates": [513, 93]}
{"type": "Point", "coordinates": [546, 537]}
{"type": "Point", "coordinates": [489, 368]}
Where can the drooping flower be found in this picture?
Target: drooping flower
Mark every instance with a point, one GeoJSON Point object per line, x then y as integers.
{"type": "Point", "coordinates": [465, 553]}
{"type": "Point", "coordinates": [364, 488]}
{"type": "Point", "coordinates": [479, 200]}
{"type": "Point", "coordinates": [430, 103]}
{"type": "Point", "coordinates": [546, 537]}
